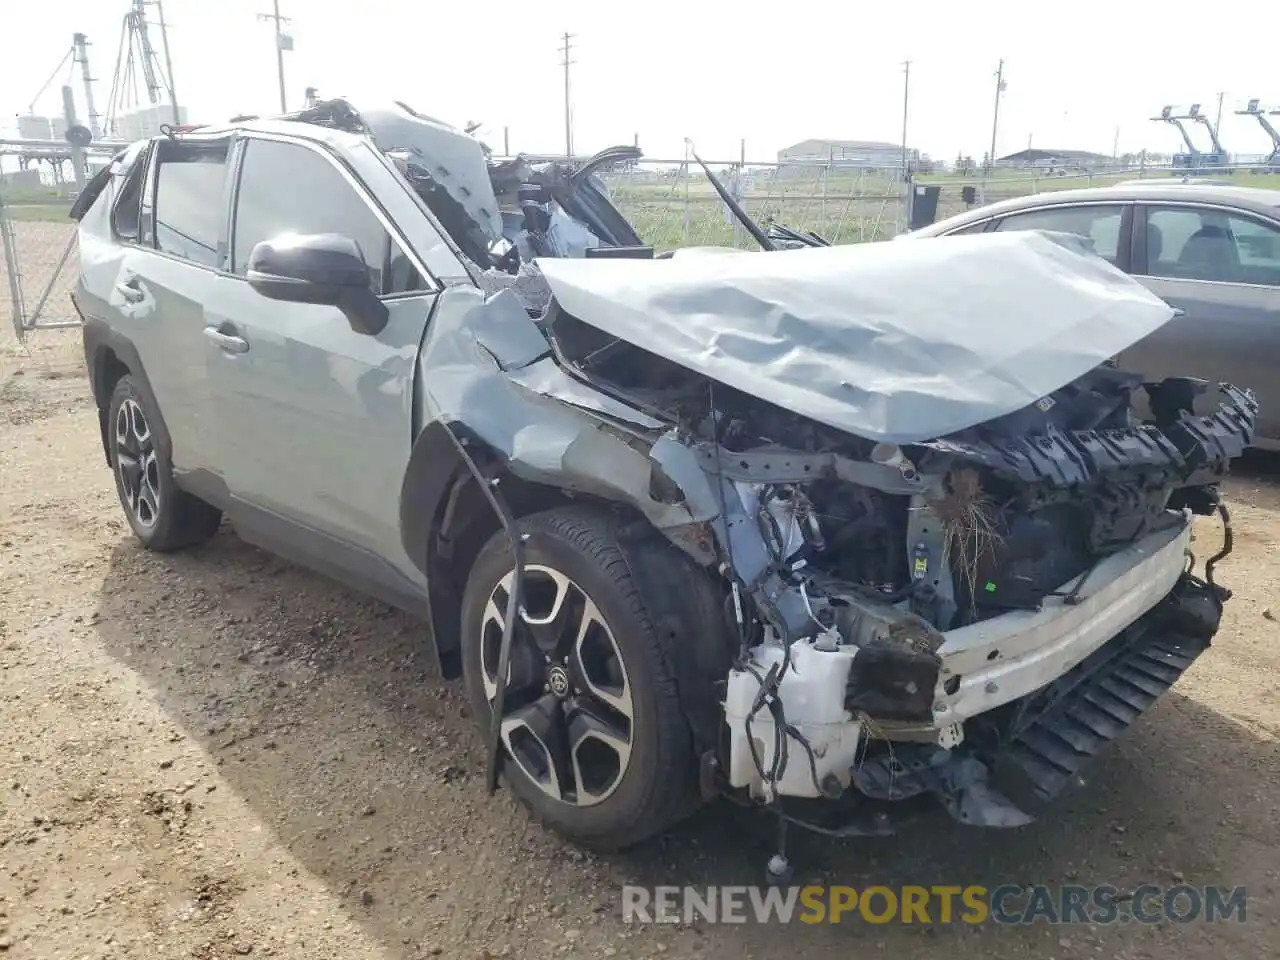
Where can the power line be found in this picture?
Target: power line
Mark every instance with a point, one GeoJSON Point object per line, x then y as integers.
{"type": "Point", "coordinates": [281, 39]}
{"type": "Point", "coordinates": [56, 70]}
{"type": "Point", "coordinates": [566, 49]}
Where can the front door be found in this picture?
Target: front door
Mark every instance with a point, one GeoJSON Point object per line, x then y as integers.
{"type": "Point", "coordinates": [314, 419]}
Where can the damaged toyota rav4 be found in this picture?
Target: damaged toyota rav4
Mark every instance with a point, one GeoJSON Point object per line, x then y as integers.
{"type": "Point", "coordinates": [835, 530]}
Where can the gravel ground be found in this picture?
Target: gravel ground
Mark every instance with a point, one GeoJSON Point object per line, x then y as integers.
{"type": "Point", "coordinates": [220, 754]}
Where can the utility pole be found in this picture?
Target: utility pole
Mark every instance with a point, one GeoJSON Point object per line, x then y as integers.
{"type": "Point", "coordinates": [568, 115]}
{"type": "Point", "coordinates": [906, 93]}
{"type": "Point", "coordinates": [1217, 124]}
{"type": "Point", "coordinates": [274, 16]}
{"type": "Point", "coordinates": [168, 63]}
{"type": "Point", "coordinates": [1115, 145]}
{"type": "Point", "coordinates": [995, 119]}
{"type": "Point", "coordinates": [81, 45]}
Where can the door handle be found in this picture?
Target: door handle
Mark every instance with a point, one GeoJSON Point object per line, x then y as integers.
{"type": "Point", "coordinates": [227, 341]}
{"type": "Point", "coordinates": [129, 290]}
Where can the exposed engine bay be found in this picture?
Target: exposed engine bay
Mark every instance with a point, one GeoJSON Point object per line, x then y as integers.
{"type": "Point", "coordinates": [877, 553]}
{"type": "Point", "coordinates": [1023, 503]}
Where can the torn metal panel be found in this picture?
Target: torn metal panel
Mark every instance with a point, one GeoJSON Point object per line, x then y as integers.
{"type": "Point", "coordinates": [454, 159]}
{"type": "Point", "coordinates": [780, 465]}
{"type": "Point", "coordinates": [890, 342]}
{"type": "Point", "coordinates": [527, 283]}
{"type": "Point", "coordinates": [478, 367]}
{"type": "Point", "coordinates": [549, 380]}
{"type": "Point", "coordinates": [501, 325]}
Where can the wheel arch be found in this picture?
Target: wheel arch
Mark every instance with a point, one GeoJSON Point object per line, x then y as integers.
{"type": "Point", "coordinates": [109, 356]}
{"type": "Point", "coordinates": [445, 520]}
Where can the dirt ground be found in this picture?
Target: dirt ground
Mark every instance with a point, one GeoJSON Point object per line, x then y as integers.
{"type": "Point", "coordinates": [220, 754]}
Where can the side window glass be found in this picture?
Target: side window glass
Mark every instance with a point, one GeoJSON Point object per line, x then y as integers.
{"type": "Point", "coordinates": [1257, 249]}
{"type": "Point", "coordinates": [1101, 224]}
{"type": "Point", "coordinates": [1199, 243]}
{"type": "Point", "coordinates": [286, 188]}
{"type": "Point", "coordinates": [189, 200]}
{"type": "Point", "coordinates": [128, 191]}
{"type": "Point", "coordinates": [979, 227]}
{"type": "Point", "coordinates": [1168, 230]}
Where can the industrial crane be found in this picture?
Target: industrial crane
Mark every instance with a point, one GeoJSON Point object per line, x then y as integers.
{"type": "Point", "coordinates": [1194, 157]}
{"type": "Point", "coordinates": [1254, 110]}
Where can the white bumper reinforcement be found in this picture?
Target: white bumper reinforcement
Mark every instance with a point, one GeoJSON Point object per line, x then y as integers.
{"type": "Point", "coordinates": [1007, 657]}
{"type": "Point", "coordinates": [983, 666]}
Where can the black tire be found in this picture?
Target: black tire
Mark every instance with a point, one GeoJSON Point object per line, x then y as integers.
{"type": "Point", "coordinates": [658, 785]}
{"type": "Point", "coordinates": [167, 517]}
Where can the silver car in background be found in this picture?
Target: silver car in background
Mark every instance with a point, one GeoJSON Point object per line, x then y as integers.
{"type": "Point", "coordinates": [1212, 252]}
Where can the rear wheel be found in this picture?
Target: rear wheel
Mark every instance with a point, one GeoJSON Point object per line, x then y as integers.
{"type": "Point", "coordinates": [162, 516]}
{"type": "Point", "coordinates": [594, 739]}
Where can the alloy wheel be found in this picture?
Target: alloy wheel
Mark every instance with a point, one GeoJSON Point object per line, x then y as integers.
{"type": "Point", "coordinates": [137, 465]}
{"type": "Point", "coordinates": [567, 711]}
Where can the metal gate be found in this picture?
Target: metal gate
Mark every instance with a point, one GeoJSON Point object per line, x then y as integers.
{"type": "Point", "coordinates": [39, 241]}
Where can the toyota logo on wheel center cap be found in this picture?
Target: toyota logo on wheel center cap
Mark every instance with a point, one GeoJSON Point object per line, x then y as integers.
{"type": "Point", "coordinates": [558, 681]}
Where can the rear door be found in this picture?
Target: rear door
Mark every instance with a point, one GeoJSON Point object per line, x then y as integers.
{"type": "Point", "coordinates": [172, 245]}
{"type": "Point", "coordinates": [314, 419]}
{"type": "Point", "coordinates": [1220, 269]}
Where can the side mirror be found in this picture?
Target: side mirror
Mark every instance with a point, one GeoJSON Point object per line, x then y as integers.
{"type": "Point", "coordinates": [321, 268]}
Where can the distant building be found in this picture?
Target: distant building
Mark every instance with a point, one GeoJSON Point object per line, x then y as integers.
{"type": "Point", "coordinates": [1054, 159]}
{"type": "Point", "coordinates": [849, 153]}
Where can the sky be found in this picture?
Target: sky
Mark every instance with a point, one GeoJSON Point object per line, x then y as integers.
{"type": "Point", "coordinates": [1078, 75]}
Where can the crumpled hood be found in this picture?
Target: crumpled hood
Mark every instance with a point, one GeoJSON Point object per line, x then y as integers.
{"type": "Point", "coordinates": [895, 342]}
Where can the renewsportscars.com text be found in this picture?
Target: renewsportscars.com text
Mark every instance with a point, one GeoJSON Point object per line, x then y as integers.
{"type": "Point", "coordinates": [972, 904]}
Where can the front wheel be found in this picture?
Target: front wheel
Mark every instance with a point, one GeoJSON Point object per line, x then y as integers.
{"type": "Point", "coordinates": [594, 738]}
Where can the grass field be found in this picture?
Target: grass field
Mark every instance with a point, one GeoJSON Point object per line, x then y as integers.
{"type": "Point", "coordinates": [671, 212]}
{"type": "Point", "coordinates": [37, 211]}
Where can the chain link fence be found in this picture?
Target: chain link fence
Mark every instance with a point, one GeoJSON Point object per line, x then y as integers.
{"type": "Point", "coordinates": [672, 204]}
{"type": "Point", "coordinates": [38, 262]}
